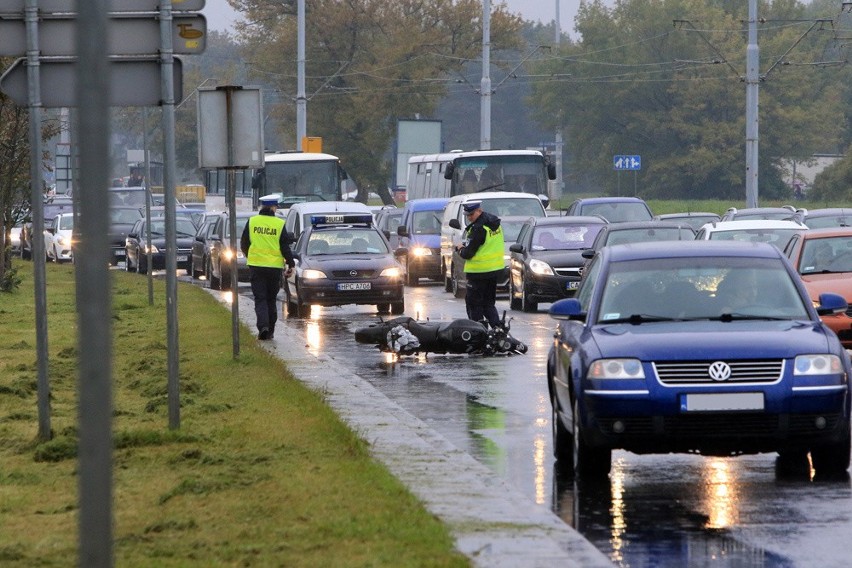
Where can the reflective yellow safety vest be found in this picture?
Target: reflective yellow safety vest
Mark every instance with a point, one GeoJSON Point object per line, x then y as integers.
{"type": "Point", "coordinates": [489, 256]}
{"type": "Point", "coordinates": [265, 235]}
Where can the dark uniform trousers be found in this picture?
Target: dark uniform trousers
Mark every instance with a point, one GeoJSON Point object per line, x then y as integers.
{"type": "Point", "coordinates": [481, 297]}
{"type": "Point", "coordinates": [265, 284]}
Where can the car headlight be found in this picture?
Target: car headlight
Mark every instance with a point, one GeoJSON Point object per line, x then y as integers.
{"type": "Point", "coordinates": [817, 365]}
{"type": "Point", "coordinates": [312, 274]}
{"type": "Point", "coordinates": [62, 241]}
{"type": "Point", "coordinates": [392, 272]}
{"type": "Point", "coordinates": [616, 369]}
{"type": "Point", "coordinates": [228, 254]}
{"type": "Point", "coordinates": [152, 249]}
{"type": "Point", "coordinates": [540, 267]}
{"type": "Point", "coordinates": [421, 251]}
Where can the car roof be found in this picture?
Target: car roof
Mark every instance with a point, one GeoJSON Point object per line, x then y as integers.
{"type": "Point", "coordinates": [585, 200]}
{"type": "Point", "coordinates": [665, 216]}
{"type": "Point", "coordinates": [828, 212]}
{"type": "Point", "coordinates": [629, 225]}
{"type": "Point", "coordinates": [692, 248]}
{"type": "Point", "coordinates": [746, 224]}
{"type": "Point", "coordinates": [493, 195]}
{"type": "Point", "coordinates": [329, 206]}
{"type": "Point", "coordinates": [569, 220]}
{"type": "Point", "coordinates": [427, 203]}
{"type": "Point", "coordinates": [827, 232]}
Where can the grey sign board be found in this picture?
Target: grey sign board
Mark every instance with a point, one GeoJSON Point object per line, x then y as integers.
{"type": "Point", "coordinates": [230, 127]}
{"type": "Point", "coordinates": [132, 83]}
{"type": "Point", "coordinates": [125, 36]}
{"type": "Point", "coordinates": [53, 6]}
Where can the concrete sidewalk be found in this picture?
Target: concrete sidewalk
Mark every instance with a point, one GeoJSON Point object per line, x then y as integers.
{"type": "Point", "coordinates": [493, 524]}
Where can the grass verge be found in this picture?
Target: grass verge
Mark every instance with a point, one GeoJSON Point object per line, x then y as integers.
{"type": "Point", "coordinates": [261, 472]}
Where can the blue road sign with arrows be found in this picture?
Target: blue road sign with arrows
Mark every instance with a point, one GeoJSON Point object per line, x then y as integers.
{"type": "Point", "coordinates": [627, 162]}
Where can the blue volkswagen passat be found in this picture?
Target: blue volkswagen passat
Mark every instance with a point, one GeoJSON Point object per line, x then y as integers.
{"type": "Point", "coordinates": [701, 347]}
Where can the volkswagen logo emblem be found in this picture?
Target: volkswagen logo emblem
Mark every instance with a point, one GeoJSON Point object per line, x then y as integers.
{"type": "Point", "coordinates": [719, 371]}
{"type": "Point", "coordinates": [353, 273]}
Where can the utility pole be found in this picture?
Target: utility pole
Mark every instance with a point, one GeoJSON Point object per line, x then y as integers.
{"type": "Point", "coordinates": [301, 99]}
{"type": "Point", "coordinates": [752, 78]}
{"type": "Point", "coordinates": [558, 150]}
{"type": "Point", "coordinates": [485, 84]}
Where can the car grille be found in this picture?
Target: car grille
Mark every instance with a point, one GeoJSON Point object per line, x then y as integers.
{"type": "Point", "coordinates": [697, 372]}
{"type": "Point", "coordinates": [568, 271]}
{"type": "Point", "coordinates": [721, 425]}
{"type": "Point", "coordinates": [349, 273]}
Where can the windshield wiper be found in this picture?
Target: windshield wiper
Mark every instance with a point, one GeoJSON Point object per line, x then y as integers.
{"type": "Point", "coordinates": [749, 317]}
{"type": "Point", "coordinates": [492, 186]}
{"type": "Point", "coordinates": [636, 319]}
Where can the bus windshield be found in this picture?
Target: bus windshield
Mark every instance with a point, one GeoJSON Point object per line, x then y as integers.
{"type": "Point", "coordinates": [303, 181]}
{"type": "Point", "coordinates": [500, 173]}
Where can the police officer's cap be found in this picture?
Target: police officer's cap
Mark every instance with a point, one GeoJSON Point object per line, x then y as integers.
{"type": "Point", "coordinates": [268, 201]}
{"type": "Point", "coordinates": [471, 206]}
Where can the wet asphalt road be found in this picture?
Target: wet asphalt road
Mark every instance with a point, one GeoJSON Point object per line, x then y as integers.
{"type": "Point", "coordinates": [656, 510]}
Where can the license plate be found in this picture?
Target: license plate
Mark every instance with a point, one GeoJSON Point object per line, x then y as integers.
{"type": "Point", "coordinates": [572, 285]}
{"type": "Point", "coordinates": [118, 252]}
{"type": "Point", "coordinates": [345, 286]}
{"type": "Point", "coordinates": [722, 401]}
{"type": "Point", "coordinates": [182, 258]}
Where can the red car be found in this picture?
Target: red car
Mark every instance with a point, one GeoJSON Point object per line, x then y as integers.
{"type": "Point", "coordinates": [823, 257]}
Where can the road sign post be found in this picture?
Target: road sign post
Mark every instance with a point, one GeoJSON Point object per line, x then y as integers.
{"type": "Point", "coordinates": [621, 163]}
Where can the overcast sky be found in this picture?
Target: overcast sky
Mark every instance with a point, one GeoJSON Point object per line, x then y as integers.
{"type": "Point", "coordinates": [220, 15]}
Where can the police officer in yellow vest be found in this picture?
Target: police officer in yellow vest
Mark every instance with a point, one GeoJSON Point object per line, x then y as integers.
{"type": "Point", "coordinates": [482, 249]}
{"type": "Point", "coordinates": [267, 248]}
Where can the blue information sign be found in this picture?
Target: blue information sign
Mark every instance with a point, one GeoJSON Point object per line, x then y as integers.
{"type": "Point", "coordinates": [627, 162]}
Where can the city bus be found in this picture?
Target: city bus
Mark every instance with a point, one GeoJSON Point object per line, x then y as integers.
{"type": "Point", "coordinates": [297, 176]}
{"type": "Point", "coordinates": [459, 172]}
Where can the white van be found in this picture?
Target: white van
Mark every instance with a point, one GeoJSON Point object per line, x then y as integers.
{"type": "Point", "coordinates": [298, 216]}
{"type": "Point", "coordinates": [512, 207]}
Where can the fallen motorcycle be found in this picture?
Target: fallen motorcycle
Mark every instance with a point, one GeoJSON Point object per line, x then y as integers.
{"type": "Point", "coordinates": [407, 336]}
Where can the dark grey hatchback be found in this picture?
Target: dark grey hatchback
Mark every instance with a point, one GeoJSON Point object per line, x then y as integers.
{"type": "Point", "coordinates": [546, 259]}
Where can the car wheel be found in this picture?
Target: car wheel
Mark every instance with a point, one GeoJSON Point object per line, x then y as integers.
{"type": "Point", "coordinates": [411, 278]}
{"type": "Point", "coordinates": [526, 304]}
{"type": "Point", "coordinates": [448, 283]}
{"type": "Point", "coordinates": [514, 303]}
{"type": "Point", "coordinates": [382, 308]}
{"type": "Point", "coordinates": [458, 291]}
{"type": "Point", "coordinates": [141, 263]}
{"type": "Point", "coordinates": [792, 464]}
{"type": "Point", "coordinates": [292, 308]}
{"type": "Point", "coordinates": [211, 278]}
{"type": "Point", "coordinates": [195, 274]}
{"type": "Point", "coordinates": [398, 307]}
{"type": "Point", "coordinates": [589, 463]}
{"type": "Point", "coordinates": [563, 444]}
{"type": "Point", "coordinates": [225, 281]}
{"type": "Point", "coordinates": [832, 460]}
{"type": "Point", "coordinates": [303, 310]}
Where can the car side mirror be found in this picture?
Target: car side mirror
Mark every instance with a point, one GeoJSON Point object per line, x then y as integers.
{"type": "Point", "coordinates": [517, 247]}
{"type": "Point", "coordinates": [386, 233]}
{"type": "Point", "coordinates": [454, 223]}
{"type": "Point", "coordinates": [567, 310]}
{"type": "Point", "coordinates": [215, 237]}
{"type": "Point", "coordinates": [831, 304]}
{"type": "Point", "coordinates": [133, 236]}
{"type": "Point", "coordinates": [551, 171]}
{"type": "Point", "coordinates": [400, 252]}
{"type": "Point", "coordinates": [588, 254]}
{"type": "Point", "coordinates": [402, 231]}
{"type": "Point", "coordinates": [448, 172]}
